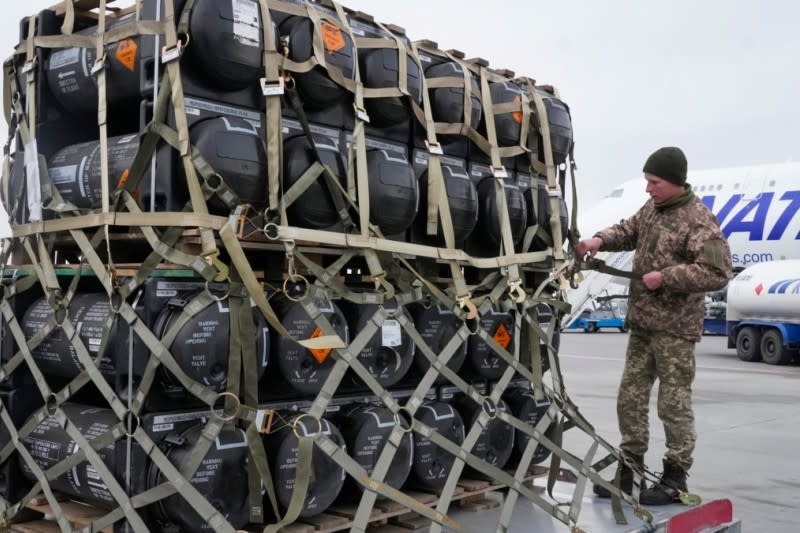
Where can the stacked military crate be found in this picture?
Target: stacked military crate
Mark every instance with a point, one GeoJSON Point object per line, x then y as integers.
{"type": "Point", "coordinates": [274, 248]}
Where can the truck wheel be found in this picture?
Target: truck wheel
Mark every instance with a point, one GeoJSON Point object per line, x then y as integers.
{"type": "Point", "coordinates": [773, 350]}
{"type": "Point", "coordinates": [624, 329]}
{"type": "Point", "coordinates": [593, 327]}
{"type": "Point", "coordinates": [748, 344]}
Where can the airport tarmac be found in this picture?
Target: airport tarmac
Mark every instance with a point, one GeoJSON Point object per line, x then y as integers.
{"type": "Point", "coordinates": [747, 417]}
{"type": "Point", "coordinates": [748, 426]}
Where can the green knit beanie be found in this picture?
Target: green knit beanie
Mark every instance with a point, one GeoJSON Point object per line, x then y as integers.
{"type": "Point", "coordinates": [667, 163]}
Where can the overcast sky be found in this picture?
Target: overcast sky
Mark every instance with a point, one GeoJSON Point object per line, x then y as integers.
{"type": "Point", "coordinates": [717, 77]}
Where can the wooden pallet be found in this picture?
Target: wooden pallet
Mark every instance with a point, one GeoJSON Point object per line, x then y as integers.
{"type": "Point", "coordinates": [79, 515]}
{"type": "Point", "coordinates": [390, 517]}
{"type": "Point", "coordinates": [387, 516]}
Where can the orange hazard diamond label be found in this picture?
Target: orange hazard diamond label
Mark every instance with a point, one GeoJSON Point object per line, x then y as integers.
{"type": "Point", "coordinates": [502, 336]}
{"type": "Point", "coordinates": [517, 114]}
{"type": "Point", "coordinates": [123, 179]}
{"type": "Point", "coordinates": [332, 37]}
{"type": "Point", "coordinates": [126, 54]}
{"type": "Point", "coordinates": [320, 354]}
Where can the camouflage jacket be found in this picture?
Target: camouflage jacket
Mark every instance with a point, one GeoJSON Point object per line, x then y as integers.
{"type": "Point", "coordinates": [681, 239]}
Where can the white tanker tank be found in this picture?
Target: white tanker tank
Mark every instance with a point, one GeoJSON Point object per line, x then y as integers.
{"type": "Point", "coordinates": [763, 312]}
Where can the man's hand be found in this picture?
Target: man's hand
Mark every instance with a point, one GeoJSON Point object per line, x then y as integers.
{"type": "Point", "coordinates": [653, 280]}
{"type": "Point", "coordinates": [590, 246]}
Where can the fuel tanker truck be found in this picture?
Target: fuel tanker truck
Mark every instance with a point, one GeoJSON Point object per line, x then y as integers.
{"type": "Point", "coordinates": [763, 312]}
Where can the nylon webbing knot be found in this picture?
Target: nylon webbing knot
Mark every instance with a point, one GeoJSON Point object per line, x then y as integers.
{"type": "Point", "coordinates": [223, 272]}
{"type": "Point", "coordinates": [381, 281]}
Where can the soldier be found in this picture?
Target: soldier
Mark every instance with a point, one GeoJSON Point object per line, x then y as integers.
{"type": "Point", "coordinates": [681, 253]}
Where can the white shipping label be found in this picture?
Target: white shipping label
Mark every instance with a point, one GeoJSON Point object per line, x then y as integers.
{"type": "Point", "coordinates": [391, 334]}
{"type": "Point", "coordinates": [245, 21]}
{"type": "Point", "coordinates": [33, 181]}
{"type": "Point", "coordinates": [65, 174]}
{"type": "Point", "coordinates": [65, 57]}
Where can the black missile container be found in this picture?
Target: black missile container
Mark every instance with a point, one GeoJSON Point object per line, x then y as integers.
{"type": "Point", "coordinates": [200, 346]}
{"type": "Point", "coordinates": [482, 360]}
{"type": "Point", "coordinates": [509, 128]}
{"type": "Point", "coordinates": [560, 123]}
{"type": "Point", "coordinates": [539, 210]}
{"type": "Point", "coordinates": [487, 238]}
{"type": "Point", "coordinates": [437, 325]}
{"type": "Point", "coordinates": [388, 355]}
{"type": "Point", "coordinates": [447, 103]}
{"type": "Point", "coordinates": [327, 478]}
{"type": "Point", "coordinates": [366, 430]}
{"type": "Point", "coordinates": [55, 126]}
{"type": "Point", "coordinates": [315, 207]}
{"type": "Point", "coordinates": [221, 477]}
{"type": "Point", "coordinates": [393, 187]}
{"type": "Point", "coordinates": [19, 302]}
{"type": "Point", "coordinates": [230, 139]}
{"type": "Point", "coordinates": [77, 173]}
{"type": "Point", "coordinates": [433, 464]}
{"type": "Point", "coordinates": [524, 406]}
{"type": "Point", "coordinates": [461, 196]}
{"type": "Point", "coordinates": [496, 440]}
{"type": "Point", "coordinates": [221, 59]}
{"type": "Point", "coordinates": [300, 371]}
{"type": "Point", "coordinates": [316, 88]}
{"type": "Point", "coordinates": [19, 403]}
{"type": "Point", "coordinates": [389, 117]}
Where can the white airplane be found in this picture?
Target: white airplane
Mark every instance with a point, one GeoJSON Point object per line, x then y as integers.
{"type": "Point", "coordinates": [758, 208]}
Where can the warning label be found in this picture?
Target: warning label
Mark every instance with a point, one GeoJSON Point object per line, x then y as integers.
{"type": "Point", "coordinates": [517, 114]}
{"type": "Point", "coordinates": [502, 336]}
{"type": "Point", "coordinates": [332, 37]}
{"type": "Point", "coordinates": [320, 354]}
{"type": "Point", "coordinates": [126, 54]}
{"type": "Point", "coordinates": [123, 179]}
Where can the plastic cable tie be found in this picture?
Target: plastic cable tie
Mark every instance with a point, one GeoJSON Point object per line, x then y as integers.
{"type": "Point", "coordinates": [273, 88]}
{"type": "Point", "coordinates": [171, 53]}
{"type": "Point", "coordinates": [499, 172]}
{"type": "Point", "coordinates": [434, 148]}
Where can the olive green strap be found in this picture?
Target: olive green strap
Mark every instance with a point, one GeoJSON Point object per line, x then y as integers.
{"type": "Point", "coordinates": [302, 480]}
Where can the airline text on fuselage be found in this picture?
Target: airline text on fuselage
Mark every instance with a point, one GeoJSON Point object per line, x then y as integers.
{"type": "Point", "coordinates": [751, 218]}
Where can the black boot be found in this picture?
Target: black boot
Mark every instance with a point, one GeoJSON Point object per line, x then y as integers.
{"type": "Point", "coordinates": [625, 477]}
{"type": "Point", "coordinates": [668, 488]}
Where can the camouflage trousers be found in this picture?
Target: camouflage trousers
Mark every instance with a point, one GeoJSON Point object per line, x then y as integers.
{"type": "Point", "coordinates": [670, 359]}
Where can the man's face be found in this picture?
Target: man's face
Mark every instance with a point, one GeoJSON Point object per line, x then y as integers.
{"type": "Point", "coordinates": [661, 190]}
